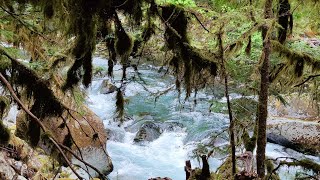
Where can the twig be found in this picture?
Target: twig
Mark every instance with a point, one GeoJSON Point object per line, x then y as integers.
{"type": "Point", "coordinates": [306, 80]}
{"type": "Point", "coordinates": [200, 22]}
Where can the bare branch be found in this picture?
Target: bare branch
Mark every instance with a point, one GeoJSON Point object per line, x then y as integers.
{"type": "Point", "coordinates": [306, 80]}
{"type": "Point", "coordinates": [200, 22]}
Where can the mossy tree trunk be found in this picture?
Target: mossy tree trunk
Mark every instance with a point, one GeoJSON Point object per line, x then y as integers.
{"type": "Point", "coordinates": [263, 94]}
{"type": "Point", "coordinates": [231, 126]}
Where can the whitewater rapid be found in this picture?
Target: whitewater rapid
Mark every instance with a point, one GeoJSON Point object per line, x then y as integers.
{"type": "Point", "coordinates": [165, 156]}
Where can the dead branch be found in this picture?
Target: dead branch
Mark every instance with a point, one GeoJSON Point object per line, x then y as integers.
{"type": "Point", "coordinates": [306, 80]}
{"type": "Point", "coordinates": [200, 22]}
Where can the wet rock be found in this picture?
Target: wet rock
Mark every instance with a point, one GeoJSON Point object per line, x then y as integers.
{"type": "Point", "coordinates": [107, 87]}
{"type": "Point", "coordinates": [115, 134]}
{"type": "Point", "coordinates": [6, 171]}
{"type": "Point", "coordinates": [139, 123]}
{"type": "Point", "coordinates": [299, 135]}
{"type": "Point", "coordinates": [148, 132]}
{"type": "Point", "coordinates": [171, 126]}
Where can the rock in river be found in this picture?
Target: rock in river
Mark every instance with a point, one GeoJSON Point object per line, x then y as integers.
{"type": "Point", "coordinates": [299, 135]}
{"type": "Point", "coordinates": [107, 87]}
{"type": "Point", "coordinates": [149, 131]}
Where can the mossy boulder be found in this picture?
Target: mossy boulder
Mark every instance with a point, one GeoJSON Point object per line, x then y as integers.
{"type": "Point", "coordinates": [87, 134]}
{"type": "Point", "coordinates": [77, 127]}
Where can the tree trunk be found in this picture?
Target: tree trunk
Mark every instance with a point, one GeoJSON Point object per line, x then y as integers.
{"type": "Point", "coordinates": [231, 126]}
{"type": "Point", "coordinates": [187, 169]}
{"type": "Point", "coordinates": [205, 173]}
{"type": "Point", "coordinates": [263, 94]}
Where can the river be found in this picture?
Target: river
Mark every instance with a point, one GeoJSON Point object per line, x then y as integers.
{"type": "Point", "coordinates": [165, 156]}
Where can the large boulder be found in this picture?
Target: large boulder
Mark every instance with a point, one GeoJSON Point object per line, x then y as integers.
{"type": "Point", "coordinates": [76, 127]}
{"type": "Point", "coordinates": [83, 131]}
{"type": "Point", "coordinates": [299, 135]}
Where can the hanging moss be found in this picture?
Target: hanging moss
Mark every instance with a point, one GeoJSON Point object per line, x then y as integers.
{"type": "Point", "coordinates": [120, 106]}
{"type": "Point", "coordinates": [123, 45]}
{"type": "Point", "coordinates": [123, 42]}
{"type": "Point", "coordinates": [68, 140]}
{"type": "Point", "coordinates": [176, 18]}
{"type": "Point", "coordinates": [298, 71]}
{"type": "Point", "coordinates": [133, 8]}
{"type": "Point", "coordinates": [4, 134]}
{"type": "Point", "coordinates": [83, 25]}
{"type": "Point", "coordinates": [33, 132]}
{"type": "Point", "coordinates": [296, 60]}
{"type": "Point", "coordinates": [44, 101]}
{"type": "Point", "coordinates": [192, 64]}
{"type": "Point", "coordinates": [249, 143]}
{"type": "Point", "coordinates": [248, 48]}
{"type": "Point", "coordinates": [147, 32]}
{"type": "Point", "coordinates": [87, 66]}
{"type": "Point", "coordinates": [48, 10]}
{"type": "Point", "coordinates": [283, 20]}
{"type": "Point", "coordinates": [107, 34]}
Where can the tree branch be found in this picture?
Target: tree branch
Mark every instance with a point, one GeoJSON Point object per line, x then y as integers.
{"type": "Point", "coordinates": [306, 80]}
{"type": "Point", "coordinates": [200, 22]}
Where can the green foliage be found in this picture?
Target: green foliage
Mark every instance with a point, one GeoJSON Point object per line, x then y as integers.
{"type": "Point", "coordinates": [218, 107]}
{"type": "Point", "coordinates": [244, 108]}
{"type": "Point", "coordinates": [184, 3]}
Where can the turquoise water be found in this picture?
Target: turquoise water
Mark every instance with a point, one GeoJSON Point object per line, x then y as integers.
{"type": "Point", "coordinates": [165, 156]}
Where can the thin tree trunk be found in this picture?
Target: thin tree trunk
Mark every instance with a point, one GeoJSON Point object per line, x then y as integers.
{"type": "Point", "coordinates": [231, 127]}
{"type": "Point", "coordinates": [263, 94]}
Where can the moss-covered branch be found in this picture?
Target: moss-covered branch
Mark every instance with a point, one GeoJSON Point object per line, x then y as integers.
{"type": "Point", "coordinates": [295, 59]}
